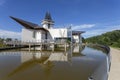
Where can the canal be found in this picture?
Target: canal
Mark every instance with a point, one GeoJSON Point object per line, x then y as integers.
{"type": "Point", "coordinates": [73, 64]}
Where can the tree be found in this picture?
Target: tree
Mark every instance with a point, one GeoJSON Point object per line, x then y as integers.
{"type": "Point", "coordinates": [110, 38]}
{"type": "Point", "coordinates": [8, 39]}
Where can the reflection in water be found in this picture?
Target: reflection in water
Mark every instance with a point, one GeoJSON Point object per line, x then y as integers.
{"type": "Point", "coordinates": [70, 65]}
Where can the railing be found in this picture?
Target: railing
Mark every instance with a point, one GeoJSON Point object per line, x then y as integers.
{"type": "Point", "coordinates": [43, 41]}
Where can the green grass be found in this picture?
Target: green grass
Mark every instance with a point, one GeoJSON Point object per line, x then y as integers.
{"type": "Point", "coordinates": [2, 45]}
{"type": "Point", "coordinates": [115, 47]}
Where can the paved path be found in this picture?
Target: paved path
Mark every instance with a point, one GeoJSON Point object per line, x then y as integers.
{"type": "Point", "coordinates": [115, 66]}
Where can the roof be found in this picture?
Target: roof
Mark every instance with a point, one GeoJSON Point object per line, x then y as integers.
{"type": "Point", "coordinates": [28, 25]}
{"type": "Point", "coordinates": [48, 16]}
{"type": "Point", "coordinates": [77, 32]}
{"type": "Point", "coordinates": [48, 19]}
{"type": "Point", "coordinates": [40, 28]}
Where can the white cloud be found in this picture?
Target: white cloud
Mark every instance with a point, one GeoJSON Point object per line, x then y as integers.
{"type": "Point", "coordinates": [9, 34]}
{"type": "Point", "coordinates": [83, 26]}
{"type": "Point", "coordinates": [2, 2]}
{"type": "Point", "coordinates": [94, 32]}
{"type": "Point", "coordinates": [115, 27]}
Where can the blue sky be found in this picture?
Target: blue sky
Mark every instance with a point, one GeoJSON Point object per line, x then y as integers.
{"type": "Point", "coordinates": [93, 16]}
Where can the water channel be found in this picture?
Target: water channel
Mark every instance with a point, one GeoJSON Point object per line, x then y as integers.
{"type": "Point", "coordinates": [74, 64]}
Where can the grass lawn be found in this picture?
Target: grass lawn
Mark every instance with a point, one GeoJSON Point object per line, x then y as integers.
{"type": "Point", "coordinates": [2, 45]}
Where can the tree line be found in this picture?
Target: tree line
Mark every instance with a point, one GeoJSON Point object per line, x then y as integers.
{"type": "Point", "coordinates": [109, 38]}
{"type": "Point", "coordinates": [3, 40]}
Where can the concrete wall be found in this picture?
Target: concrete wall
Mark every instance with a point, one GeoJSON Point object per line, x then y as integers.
{"type": "Point", "coordinates": [38, 36]}
{"type": "Point", "coordinates": [76, 38]}
{"type": "Point", "coordinates": [101, 73]}
{"type": "Point", "coordinates": [27, 35]}
{"type": "Point", "coordinates": [56, 33]}
{"type": "Point", "coordinates": [49, 36]}
{"type": "Point", "coordinates": [46, 26]}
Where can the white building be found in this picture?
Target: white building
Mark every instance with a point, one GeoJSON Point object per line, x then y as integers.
{"type": "Point", "coordinates": [47, 32]}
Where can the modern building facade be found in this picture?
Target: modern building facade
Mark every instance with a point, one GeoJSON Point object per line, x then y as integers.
{"type": "Point", "coordinates": [46, 31]}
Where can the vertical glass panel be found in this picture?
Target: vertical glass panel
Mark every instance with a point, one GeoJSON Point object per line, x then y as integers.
{"type": "Point", "coordinates": [34, 34]}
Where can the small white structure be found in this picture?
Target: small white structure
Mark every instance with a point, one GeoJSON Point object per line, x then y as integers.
{"type": "Point", "coordinates": [47, 32]}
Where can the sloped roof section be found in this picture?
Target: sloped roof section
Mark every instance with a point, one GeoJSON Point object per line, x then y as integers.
{"type": "Point", "coordinates": [28, 25]}
{"type": "Point", "coordinates": [41, 28]}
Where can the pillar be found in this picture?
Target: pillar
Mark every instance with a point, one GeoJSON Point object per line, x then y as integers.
{"type": "Point", "coordinates": [29, 47]}
{"type": "Point", "coordinates": [65, 45]}
{"type": "Point", "coordinates": [53, 47]}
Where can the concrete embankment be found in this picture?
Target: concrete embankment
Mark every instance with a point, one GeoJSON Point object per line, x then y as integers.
{"type": "Point", "coordinates": [115, 65]}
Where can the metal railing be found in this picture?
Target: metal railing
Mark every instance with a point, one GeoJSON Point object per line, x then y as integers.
{"type": "Point", "coordinates": [43, 41]}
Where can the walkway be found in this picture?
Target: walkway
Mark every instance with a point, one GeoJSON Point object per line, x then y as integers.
{"type": "Point", "coordinates": [115, 66]}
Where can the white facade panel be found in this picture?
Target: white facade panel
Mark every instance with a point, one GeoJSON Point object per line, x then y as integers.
{"type": "Point", "coordinates": [52, 34]}
{"type": "Point", "coordinates": [38, 36]}
{"type": "Point", "coordinates": [27, 35]}
{"type": "Point", "coordinates": [76, 38]}
{"type": "Point", "coordinates": [58, 33]}
{"type": "Point", "coordinates": [49, 36]}
{"type": "Point", "coordinates": [45, 26]}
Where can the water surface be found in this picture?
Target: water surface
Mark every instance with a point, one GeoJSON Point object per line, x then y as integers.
{"type": "Point", "coordinates": [36, 65]}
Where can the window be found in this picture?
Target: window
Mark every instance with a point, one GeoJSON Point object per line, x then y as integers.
{"type": "Point", "coordinates": [34, 34]}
